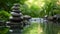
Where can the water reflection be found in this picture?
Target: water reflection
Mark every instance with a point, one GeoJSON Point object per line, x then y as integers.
{"type": "Point", "coordinates": [50, 27]}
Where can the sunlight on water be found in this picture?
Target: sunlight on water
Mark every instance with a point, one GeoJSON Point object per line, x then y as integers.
{"type": "Point", "coordinates": [59, 32]}
{"type": "Point", "coordinates": [43, 28]}
{"type": "Point", "coordinates": [33, 29]}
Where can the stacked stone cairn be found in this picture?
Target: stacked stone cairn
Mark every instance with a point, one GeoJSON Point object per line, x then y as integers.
{"type": "Point", "coordinates": [17, 20]}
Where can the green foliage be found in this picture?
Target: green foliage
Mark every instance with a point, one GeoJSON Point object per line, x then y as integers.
{"type": "Point", "coordinates": [48, 7]}
{"type": "Point", "coordinates": [4, 15]}
{"type": "Point", "coordinates": [57, 9]}
{"type": "Point", "coordinates": [33, 11]}
{"type": "Point", "coordinates": [7, 4]}
{"type": "Point", "coordinates": [3, 30]}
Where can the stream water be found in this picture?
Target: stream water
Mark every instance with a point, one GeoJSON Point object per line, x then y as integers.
{"type": "Point", "coordinates": [50, 27]}
{"type": "Point", "coordinates": [43, 27]}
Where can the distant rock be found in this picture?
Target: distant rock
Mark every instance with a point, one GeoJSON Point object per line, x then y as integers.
{"type": "Point", "coordinates": [53, 18]}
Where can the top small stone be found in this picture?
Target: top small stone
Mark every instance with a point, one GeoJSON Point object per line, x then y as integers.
{"type": "Point", "coordinates": [17, 4]}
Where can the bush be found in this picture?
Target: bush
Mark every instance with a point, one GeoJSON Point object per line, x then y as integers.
{"type": "Point", "coordinates": [4, 15]}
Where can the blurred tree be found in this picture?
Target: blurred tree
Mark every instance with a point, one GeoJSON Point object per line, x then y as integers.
{"type": "Point", "coordinates": [33, 11]}
{"type": "Point", "coordinates": [6, 4]}
{"type": "Point", "coordinates": [34, 8]}
{"type": "Point", "coordinates": [31, 8]}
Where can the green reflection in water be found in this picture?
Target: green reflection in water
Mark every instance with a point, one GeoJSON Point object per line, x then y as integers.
{"type": "Point", "coordinates": [32, 29]}
{"type": "Point", "coordinates": [50, 28]}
